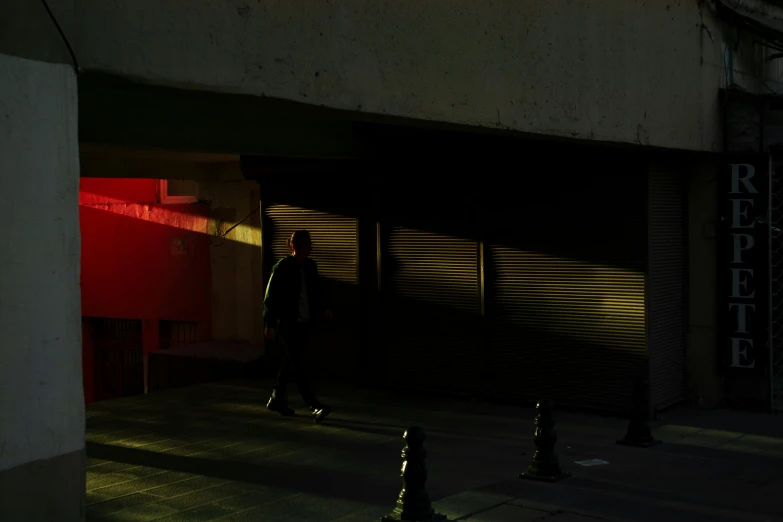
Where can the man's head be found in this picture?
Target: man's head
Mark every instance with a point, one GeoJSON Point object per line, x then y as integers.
{"type": "Point", "coordinates": [300, 244]}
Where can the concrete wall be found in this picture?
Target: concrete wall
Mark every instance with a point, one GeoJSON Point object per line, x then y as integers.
{"type": "Point", "coordinates": [131, 268]}
{"type": "Point", "coordinates": [237, 288]}
{"type": "Point", "coordinates": [634, 72]}
{"type": "Point", "coordinates": [41, 403]}
{"type": "Point", "coordinates": [27, 31]}
{"type": "Point", "coordinates": [586, 69]}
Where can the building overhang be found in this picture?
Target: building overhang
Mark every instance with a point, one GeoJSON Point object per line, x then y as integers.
{"type": "Point", "coordinates": [767, 28]}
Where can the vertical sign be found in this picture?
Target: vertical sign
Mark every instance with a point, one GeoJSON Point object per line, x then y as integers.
{"type": "Point", "coordinates": [743, 263]}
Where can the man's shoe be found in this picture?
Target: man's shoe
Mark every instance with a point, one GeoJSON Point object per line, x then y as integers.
{"type": "Point", "coordinates": [320, 413]}
{"type": "Point", "coordinates": [281, 408]}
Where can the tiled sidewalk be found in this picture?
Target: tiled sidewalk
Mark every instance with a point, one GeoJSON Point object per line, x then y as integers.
{"type": "Point", "coordinates": [214, 453]}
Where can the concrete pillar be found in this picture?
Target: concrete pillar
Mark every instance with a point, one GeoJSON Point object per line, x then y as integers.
{"type": "Point", "coordinates": [42, 448]}
{"type": "Point", "coordinates": [237, 287]}
{"type": "Point", "coordinates": [701, 364]}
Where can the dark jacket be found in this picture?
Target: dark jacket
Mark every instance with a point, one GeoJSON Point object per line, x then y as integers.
{"type": "Point", "coordinates": [281, 302]}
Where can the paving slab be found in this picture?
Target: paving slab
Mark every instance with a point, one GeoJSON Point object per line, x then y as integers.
{"type": "Point", "coordinates": [469, 502]}
{"type": "Point", "coordinates": [509, 513]}
{"type": "Point", "coordinates": [571, 517]}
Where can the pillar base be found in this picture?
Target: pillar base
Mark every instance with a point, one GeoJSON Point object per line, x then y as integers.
{"type": "Point", "coordinates": [45, 490]}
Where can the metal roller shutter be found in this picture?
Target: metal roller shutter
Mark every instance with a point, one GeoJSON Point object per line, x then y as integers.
{"type": "Point", "coordinates": [666, 288]}
{"type": "Point", "coordinates": [565, 291]}
{"type": "Point", "coordinates": [335, 249]}
{"type": "Point", "coordinates": [777, 285]}
{"type": "Point", "coordinates": [335, 239]}
{"type": "Point", "coordinates": [431, 311]}
{"type": "Point", "coordinates": [429, 321]}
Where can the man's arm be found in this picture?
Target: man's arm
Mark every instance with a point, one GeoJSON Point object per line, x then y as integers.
{"type": "Point", "coordinates": [271, 300]}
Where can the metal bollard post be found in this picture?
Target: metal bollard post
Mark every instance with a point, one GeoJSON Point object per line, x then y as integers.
{"type": "Point", "coordinates": [545, 465]}
{"type": "Point", "coordinates": [413, 502]}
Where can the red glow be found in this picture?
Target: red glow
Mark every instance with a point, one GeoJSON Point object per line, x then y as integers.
{"type": "Point", "coordinates": [134, 265]}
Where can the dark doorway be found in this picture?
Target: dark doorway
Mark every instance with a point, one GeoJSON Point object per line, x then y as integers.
{"type": "Point", "coordinates": [119, 358]}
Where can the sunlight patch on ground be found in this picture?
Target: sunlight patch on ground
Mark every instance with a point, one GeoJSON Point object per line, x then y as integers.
{"type": "Point", "coordinates": [721, 439]}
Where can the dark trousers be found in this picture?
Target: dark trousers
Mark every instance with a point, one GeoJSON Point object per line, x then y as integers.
{"type": "Point", "coordinates": [294, 338]}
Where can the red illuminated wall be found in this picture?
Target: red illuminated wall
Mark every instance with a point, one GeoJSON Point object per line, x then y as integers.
{"type": "Point", "coordinates": [141, 260]}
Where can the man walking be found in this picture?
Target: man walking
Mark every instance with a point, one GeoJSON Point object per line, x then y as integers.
{"type": "Point", "coordinates": [293, 303]}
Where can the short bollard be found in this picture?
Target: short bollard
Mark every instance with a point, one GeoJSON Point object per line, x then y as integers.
{"type": "Point", "coordinates": [639, 433]}
{"type": "Point", "coordinates": [413, 503]}
{"type": "Point", "coordinates": [545, 465]}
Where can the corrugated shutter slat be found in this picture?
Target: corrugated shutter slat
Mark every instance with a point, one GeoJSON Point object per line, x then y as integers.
{"type": "Point", "coordinates": [430, 310]}
{"type": "Point", "coordinates": [666, 288]}
{"type": "Point", "coordinates": [777, 287]}
{"type": "Point", "coordinates": [334, 239]}
{"type": "Point", "coordinates": [564, 328]}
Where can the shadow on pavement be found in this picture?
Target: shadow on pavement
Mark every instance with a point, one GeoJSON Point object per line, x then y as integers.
{"type": "Point", "coordinates": [288, 432]}
{"type": "Point", "coordinates": [300, 478]}
{"type": "Point", "coordinates": [370, 428]}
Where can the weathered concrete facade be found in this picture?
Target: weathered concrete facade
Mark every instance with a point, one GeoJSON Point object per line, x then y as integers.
{"type": "Point", "coordinates": [633, 73]}
{"type": "Point", "coordinates": [592, 70]}
{"type": "Point", "coordinates": [589, 70]}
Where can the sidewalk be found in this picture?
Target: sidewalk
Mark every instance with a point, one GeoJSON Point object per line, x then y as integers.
{"type": "Point", "coordinates": [213, 453]}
